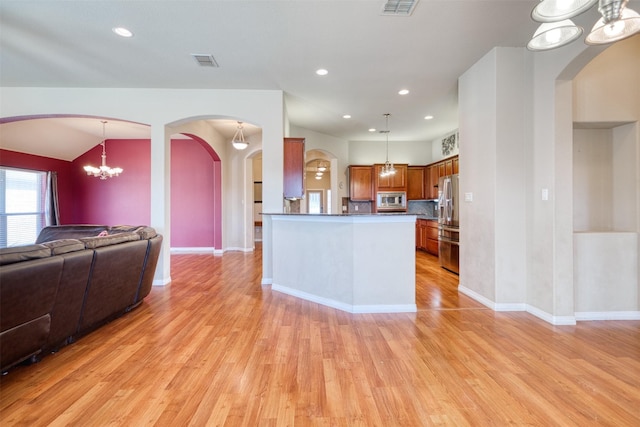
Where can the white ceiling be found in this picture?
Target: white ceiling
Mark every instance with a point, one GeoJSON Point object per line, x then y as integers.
{"type": "Point", "coordinates": [262, 44]}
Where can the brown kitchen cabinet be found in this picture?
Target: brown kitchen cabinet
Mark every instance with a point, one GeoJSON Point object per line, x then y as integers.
{"type": "Point", "coordinates": [427, 236]}
{"type": "Point", "coordinates": [395, 182]}
{"type": "Point", "coordinates": [293, 168]}
{"type": "Point", "coordinates": [432, 237]}
{"type": "Point", "coordinates": [361, 183]}
{"type": "Point", "coordinates": [416, 183]}
{"type": "Point", "coordinates": [432, 182]}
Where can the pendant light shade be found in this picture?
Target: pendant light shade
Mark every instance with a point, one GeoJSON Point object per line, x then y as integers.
{"type": "Point", "coordinates": [551, 35]}
{"type": "Point", "coordinates": [625, 26]}
{"type": "Point", "coordinates": [557, 30]}
{"type": "Point", "coordinates": [559, 10]}
{"type": "Point", "coordinates": [238, 141]}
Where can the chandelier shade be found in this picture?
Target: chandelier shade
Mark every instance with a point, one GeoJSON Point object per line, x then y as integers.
{"type": "Point", "coordinates": [559, 10]}
{"type": "Point", "coordinates": [104, 171]}
{"type": "Point", "coordinates": [625, 26]}
{"type": "Point", "coordinates": [551, 35]}
{"type": "Point", "coordinates": [238, 141]}
{"type": "Point", "coordinates": [617, 23]}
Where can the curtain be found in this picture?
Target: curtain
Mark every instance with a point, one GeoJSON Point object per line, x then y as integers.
{"type": "Point", "coordinates": [52, 211]}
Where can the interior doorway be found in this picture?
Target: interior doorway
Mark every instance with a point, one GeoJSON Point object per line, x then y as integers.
{"type": "Point", "coordinates": [314, 202]}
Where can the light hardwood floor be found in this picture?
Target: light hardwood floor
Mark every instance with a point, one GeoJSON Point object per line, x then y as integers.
{"type": "Point", "coordinates": [217, 348]}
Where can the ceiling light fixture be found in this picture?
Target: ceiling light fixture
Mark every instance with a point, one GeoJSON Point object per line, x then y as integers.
{"type": "Point", "coordinates": [322, 72]}
{"type": "Point", "coordinates": [238, 141]}
{"type": "Point", "coordinates": [122, 32]}
{"type": "Point", "coordinates": [403, 91]}
{"type": "Point", "coordinates": [557, 29]}
{"type": "Point", "coordinates": [346, 116]}
{"type": "Point", "coordinates": [429, 117]}
{"type": "Point", "coordinates": [388, 168]}
{"type": "Point", "coordinates": [104, 171]}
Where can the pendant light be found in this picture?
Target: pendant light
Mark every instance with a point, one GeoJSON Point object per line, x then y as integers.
{"type": "Point", "coordinates": [238, 141]}
{"type": "Point", "coordinates": [387, 169]}
{"type": "Point", "coordinates": [617, 23]}
{"type": "Point", "coordinates": [104, 171]}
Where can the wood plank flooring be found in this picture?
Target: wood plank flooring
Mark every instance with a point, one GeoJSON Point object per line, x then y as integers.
{"type": "Point", "coordinates": [215, 348]}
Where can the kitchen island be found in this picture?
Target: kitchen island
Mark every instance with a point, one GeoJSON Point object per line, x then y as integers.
{"type": "Point", "coordinates": [360, 263]}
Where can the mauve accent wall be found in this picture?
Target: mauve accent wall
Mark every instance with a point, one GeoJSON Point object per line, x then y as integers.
{"type": "Point", "coordinates": [192, 195]}
{"type": "Point", "coordinates": [125, 199]}
{"type": "Point", "coordinates": [62, 167]}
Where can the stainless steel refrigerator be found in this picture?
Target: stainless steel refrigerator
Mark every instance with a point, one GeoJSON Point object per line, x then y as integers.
{"type": "Point", "coordinates": [448, 225]}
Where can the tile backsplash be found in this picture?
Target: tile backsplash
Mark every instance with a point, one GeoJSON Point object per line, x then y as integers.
{"type": "Point", "coordinates": [422, 207]}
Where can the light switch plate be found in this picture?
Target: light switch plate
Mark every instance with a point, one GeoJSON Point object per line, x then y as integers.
{"type": "Point", "coordinates": [545, 194]}
{"type": "Point", "coordinates": [468, 197]}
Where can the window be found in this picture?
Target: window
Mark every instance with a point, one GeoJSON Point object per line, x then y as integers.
{"type": "Point", "coordinates": [22, 205]}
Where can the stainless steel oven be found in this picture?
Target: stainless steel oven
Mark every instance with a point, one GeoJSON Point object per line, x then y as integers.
{"type": "Point", "coordinates": [391, 201]}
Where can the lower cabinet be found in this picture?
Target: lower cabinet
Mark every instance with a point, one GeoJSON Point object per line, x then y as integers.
{"type": "Point", "coordinates": [427, 236]}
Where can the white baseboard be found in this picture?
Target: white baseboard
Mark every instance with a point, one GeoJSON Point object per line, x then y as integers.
{"type": "Point", "coordinates": [161, 282]}
{"type": "Point", "coordinates": [267, 281]}
{"type": "Point", "coordinates": [356, 309]}
{"type": "Point", "coordinates": [554, 320]}
{"type": "Point", "coordinates": [607, 315]}
{"type": "Point", "coordinates": [208, 250]}
{"type": "Point", "coordinates": [196, 250]}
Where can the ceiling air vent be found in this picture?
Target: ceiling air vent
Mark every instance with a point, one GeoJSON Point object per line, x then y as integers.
{"type": "Point", "coordinates": [205, 60]}
{"type": "Point", "coordinates": [399, 7]}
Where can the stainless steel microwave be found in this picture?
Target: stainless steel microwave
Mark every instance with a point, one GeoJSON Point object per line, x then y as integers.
{"type": "Point", "coordinates": [391, 201]}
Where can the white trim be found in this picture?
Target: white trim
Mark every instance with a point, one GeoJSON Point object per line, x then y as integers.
{"type": "Point", "coordinates": [554, 320]}
{"type": "Point", "coordinates": [607, 315]}
{"type": "Point", "coordinates": [355, 309]}
{"type": "Point", "coordinates": [267, 280]}
{"type": "Point", "coordinates": [194, 250]}
{"type": "Point", "coordinates": [161, 282]}
{"type": "Point", "coordinates": [238, 249]}
{"type": "Point", "coordinates": [476, 296]}
{"type": "Point", "coordinates": [209, 250]}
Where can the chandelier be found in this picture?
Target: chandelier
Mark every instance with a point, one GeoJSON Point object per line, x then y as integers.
{"type": "Point", "coordinates": [387, 169]}
{"type": "Point", "coordinates": [238, 140]}
{"type": "Point", "coordinates": [617, 23]}
{"type": "Point", "coordinates": [104, 171]}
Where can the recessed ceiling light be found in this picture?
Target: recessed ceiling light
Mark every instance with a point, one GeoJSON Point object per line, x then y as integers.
{"type": "Point", "coordinates": [403, 92]}
{"type": "Point", "coordinates": [372, 129]}
{"type": "Point", "coordinates": [428, 117]}
{"type": "Point", "coordinates": [122, 32]}
{"type": "Point", "coordinates": [322, 72]}
{"type": "Point", "coordinates": [346, 116]}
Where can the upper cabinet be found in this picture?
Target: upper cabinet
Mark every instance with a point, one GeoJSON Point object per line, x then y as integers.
{"type": "Point", "coordinates": [416, 183]}
{"type": "Point", "coordinates": [395, 182]}
{"type": "Point", "coordinates": [361, 183]}
{"type": "Point", "coordinates": [432, 181]}
{"type": "Point", "coordinates": [293, 168]}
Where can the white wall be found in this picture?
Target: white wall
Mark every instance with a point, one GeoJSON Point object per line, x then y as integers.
{"type": "Point", "coordinates": [160, 108]}
{"type": "Point", "coordinates": [516, 140]}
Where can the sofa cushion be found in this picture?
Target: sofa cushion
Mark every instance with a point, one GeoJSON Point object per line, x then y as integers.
{"type": "Point", "coordinates": [56, 232]}
{"type": "Point", "coordinates": [111, 239]}
{"type": "Point", "coordinates": [145, 232]}
{"type": "Point", "coordinates": [15, 254]}
{"type": "Point", "coordinates": [63, 246]}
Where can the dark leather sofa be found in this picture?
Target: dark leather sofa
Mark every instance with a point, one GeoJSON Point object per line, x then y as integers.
{"type": "Point", "coordinates": [70, 282]}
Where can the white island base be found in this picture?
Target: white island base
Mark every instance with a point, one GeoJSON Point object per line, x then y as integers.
{"type": "Point", "coordinates": [355, 263]}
